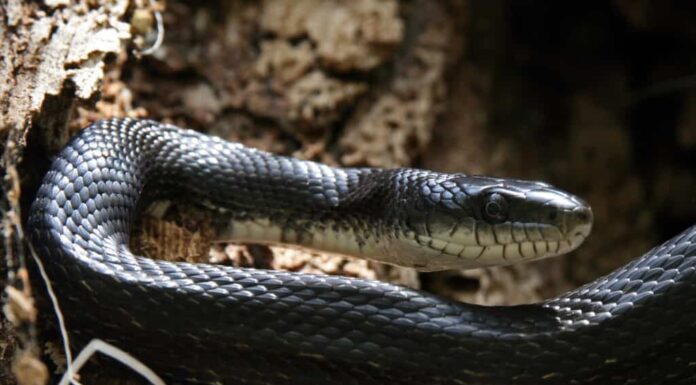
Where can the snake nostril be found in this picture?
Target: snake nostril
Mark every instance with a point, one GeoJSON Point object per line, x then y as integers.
{"type": "Point", "coordinates": [584, 215]}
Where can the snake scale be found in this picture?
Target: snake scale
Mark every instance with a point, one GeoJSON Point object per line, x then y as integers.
{"type": "Point", "coordinates": [198, 323]}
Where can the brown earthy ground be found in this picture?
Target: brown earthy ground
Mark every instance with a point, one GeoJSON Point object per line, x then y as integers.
{"type": "Point", "coordinates": [599, 100]}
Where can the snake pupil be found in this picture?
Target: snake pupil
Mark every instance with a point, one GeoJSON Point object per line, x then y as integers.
{"type": "Point", "coordinates": [495, 209]}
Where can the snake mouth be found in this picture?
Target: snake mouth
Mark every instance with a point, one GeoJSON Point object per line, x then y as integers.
{"type": "Point", "coordinates": [477, 243]}
{"type": "Point", "coordinates": [501, 253]}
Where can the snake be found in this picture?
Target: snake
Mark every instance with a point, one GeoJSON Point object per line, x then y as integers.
{"type": "Point", "coordinates": [220, 324]}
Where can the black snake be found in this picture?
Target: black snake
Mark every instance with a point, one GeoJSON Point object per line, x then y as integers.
{"type": "Point", "coordinates": [220, 324]}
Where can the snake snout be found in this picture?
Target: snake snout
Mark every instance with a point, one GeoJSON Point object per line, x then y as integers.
{"type": "Point", "coordinates": [571, 215]}
{"type": "Point", "coordinates": [579, 222]}
{"type": "Point", "coordinates": [572, 218]}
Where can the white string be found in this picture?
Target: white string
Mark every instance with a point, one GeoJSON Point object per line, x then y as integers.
{"type": "Point", "coordinates": [95, 345]}
{"type": "Point", "coordinates": [59, 314]}
{"type": "Point", "coordinates": [159, 39]}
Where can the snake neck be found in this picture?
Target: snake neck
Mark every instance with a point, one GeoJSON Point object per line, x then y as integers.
{"type": "Point", "coordinates": [348, 212]}
{"type": "Point", "coordinates": [258, 197]}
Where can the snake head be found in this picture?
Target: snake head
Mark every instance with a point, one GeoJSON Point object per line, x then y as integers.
{"type": "Point", "coordinates": [459, 221]}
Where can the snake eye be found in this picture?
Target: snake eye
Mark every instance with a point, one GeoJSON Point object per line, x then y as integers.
{"type": "Point", "coordinates": [495, 208]}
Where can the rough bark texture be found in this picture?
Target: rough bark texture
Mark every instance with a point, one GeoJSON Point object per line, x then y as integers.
{"type": "Point", "coordinates": [52, 57]}
{"type": "Point", "coordinates": [598, 99]}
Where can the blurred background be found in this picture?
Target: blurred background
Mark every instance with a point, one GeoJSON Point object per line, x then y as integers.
{"type": "Point", "coordinates": [595, 97]}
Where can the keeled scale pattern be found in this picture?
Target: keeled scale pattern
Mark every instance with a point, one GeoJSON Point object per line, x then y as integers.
{"type": "Point", "coordinates": [203, 323]}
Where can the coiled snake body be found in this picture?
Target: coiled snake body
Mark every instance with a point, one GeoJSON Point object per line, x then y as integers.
{"type": "Point", "coordinates": [220, 324]}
